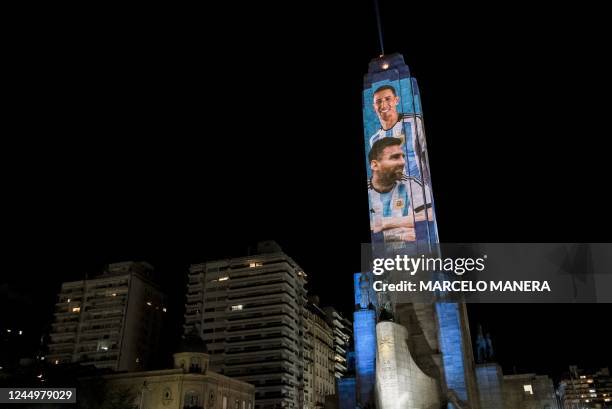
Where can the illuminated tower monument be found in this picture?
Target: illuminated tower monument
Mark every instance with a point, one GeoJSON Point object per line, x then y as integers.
{"type": "Point", "coordinates": [423, 351]}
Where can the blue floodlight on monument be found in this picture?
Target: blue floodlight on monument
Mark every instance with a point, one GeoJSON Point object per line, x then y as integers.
{"type": "Point", "coordinates": [402, 218]}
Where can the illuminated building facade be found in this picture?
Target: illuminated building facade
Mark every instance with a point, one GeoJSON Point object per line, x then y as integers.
{"type": "Point", "coordinates": [319, 368]}
{"type": "Point", "coordinates": [343, 334]}
{"type": "Point", "coordinates": [252, 312]}
{"type": "Point", "coordinates": [586, 389]}
{"type": "Point", "coordinates": [190, 384]}
{"type": "Point", "coordinates": [111, 321]}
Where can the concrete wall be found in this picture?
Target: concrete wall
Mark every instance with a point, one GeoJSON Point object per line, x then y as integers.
{"type": "Point", "coordinates": [400, 382]}
{"type": "Point", "coordinates": [490, 386]}
{"type": "Point", "coordinates": [541, 397]}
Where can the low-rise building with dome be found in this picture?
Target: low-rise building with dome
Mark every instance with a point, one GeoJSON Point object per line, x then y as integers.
{"type": "Point", "coordinates": [189, 385]}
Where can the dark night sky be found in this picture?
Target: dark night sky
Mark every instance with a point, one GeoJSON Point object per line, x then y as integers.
{"type": "Point", "coordinates": [154, 138]}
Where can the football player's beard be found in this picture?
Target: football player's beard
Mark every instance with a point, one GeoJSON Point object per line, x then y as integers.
{"type": "Point", "coordinates": [394, 176]}
{"type": "Point", "coordinates": [399, 173]}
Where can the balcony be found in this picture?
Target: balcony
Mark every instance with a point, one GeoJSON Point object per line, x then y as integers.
{"type": "Point", "coordinates": [195, 284]}
{"type": "Point", "coordinates": [105, 303]}
{"type": "Point", "coordinates": [67, 321]}
{"type": "Point", "coordinates": [104, 317]}
{"type": "Point", "coordinates": [194, 280]}
{"type": "Point", "coordinates": [61, 343]}
{"type": "Point", "coordinates": [192, 306]}
{"type": "Point", "coordinates": [194, 297]}
{"type": "Point", "coordinates": [98, 331]}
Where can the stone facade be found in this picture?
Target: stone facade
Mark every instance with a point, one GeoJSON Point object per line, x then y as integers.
{"type": "Point", "coordinates": [400, 383]}
{"type": "Point", "coordinates": [490, 386]}
{"type": "Point", "coordinates": [529, 391]}
{"type": "Point", "coordinates": [190, 384]}
{"type": "Point", "coordinates": [319, 379]}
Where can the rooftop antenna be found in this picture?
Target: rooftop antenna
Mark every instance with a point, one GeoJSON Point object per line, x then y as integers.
{"type": "Point", "coordinates": [379, 26]}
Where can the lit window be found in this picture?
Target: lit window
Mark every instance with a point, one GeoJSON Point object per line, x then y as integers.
{"type": "Point", "coordinates": [223, 278]}
{"type": "Point", "coordinates": [591, 390]}
{"type": "Point", "coordinates": [9, 331]}
{"type": "Point", "coordinates": [149, 303]}
{"type": "Point", "coordinates": [164, 309]}
{"type": "Point", "coordinates": [255, 265]}
{"type": "Point", "coordinates": [56, 362]}
{"type": "Point", "coordinates": [113, 294]}
{"type": "Point", "coordinates": [237, 307]}
{"type": "Point", "coordinates": [582, 377]}
{"type": "Point", "coordinates": [20, 332]}
{"type": "Point", "coordinates": [528, 389]}
{"type": "Point", "coordinates": [68, 300]}
{"type": "Point", "coordinates": [607, 399]}
{"type": "Point", "coordinates": [589, 381]}
{"type": "Point", "coordinates": [104, 345]}
{"type": "Point", "coordinates": [76, 309]}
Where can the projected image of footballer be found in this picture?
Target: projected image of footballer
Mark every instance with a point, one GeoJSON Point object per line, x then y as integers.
{"type": "Point", "coordinates": [392, 218]}
{"type": "Point", "coordinates": [409, 129]}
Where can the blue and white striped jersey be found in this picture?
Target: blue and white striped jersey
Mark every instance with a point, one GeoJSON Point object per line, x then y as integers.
{"type": "Point", "coordinates": [405, 130]}
{"type": "Point", "coordinates": [394, 203]}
